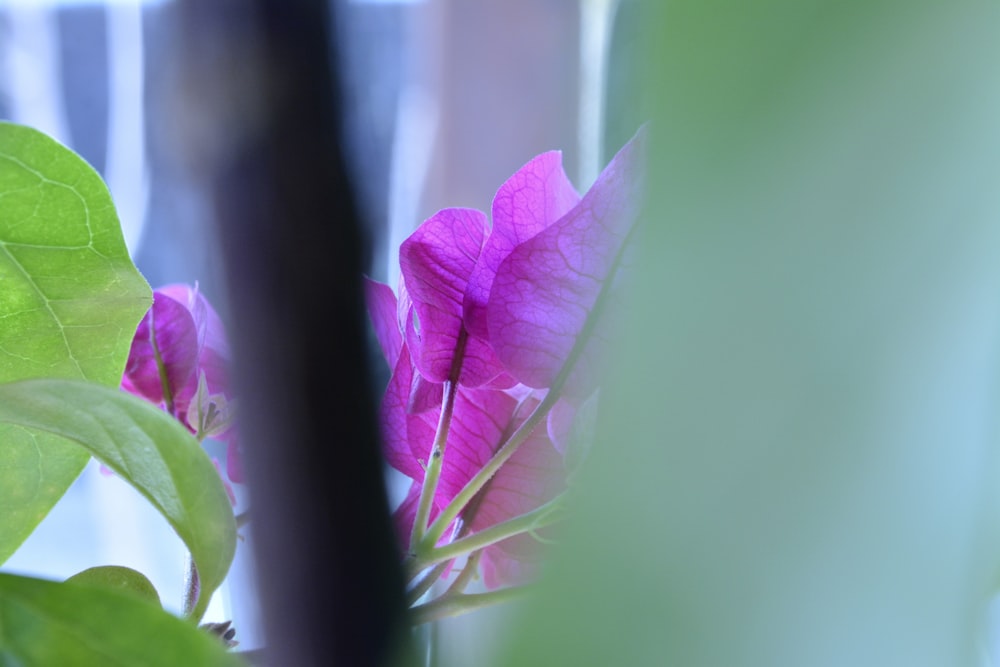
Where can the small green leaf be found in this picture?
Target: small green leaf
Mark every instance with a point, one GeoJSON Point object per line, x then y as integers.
{"type": "Point", "coordinates": [70, 300]}
{"type": "Point", "coordinates": [45, 623]}
{"type": "Point", "coordinates": [149, 449]}
{"type": "Point", "coordinates": [120, 578]}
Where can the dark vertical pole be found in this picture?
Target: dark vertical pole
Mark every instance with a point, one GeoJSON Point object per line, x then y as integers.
{"type": "Point", "coordinates": [264, 121]}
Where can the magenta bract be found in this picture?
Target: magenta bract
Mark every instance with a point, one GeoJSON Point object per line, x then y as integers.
{"type": "Point", "coordinates": [546, 288]}
{"type": "Point", "coordinates": [501, 312]}
{"type": "Point", "coordinates": [180, 343]}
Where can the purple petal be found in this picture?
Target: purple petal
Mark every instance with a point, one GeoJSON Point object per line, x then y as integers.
{"type": "Point", "coordinates": [213, 345]}
{"type": "Point", "coordinates": [537, 195]}
{"type": "Point", "coordinates": [478, 427]}
{"type": "Point", "coordinates": [404, 305]}
{"type": "Point", "coordinates": [211, 332]}
{"type": "Point", "coordinates": [546, 289]}
{"type": "Point", "coordinates": [533, 476]}
{"type": "Point", "coordinates": [436, 261]}
{"type": "Point", "coordinates": [424, 394]}
{"type": "Point", "coordinates": [382, 310]}
{"type": "Point", "coordinates": [399, 431]}
{"type": "Point", "coordinates": [166, 335]}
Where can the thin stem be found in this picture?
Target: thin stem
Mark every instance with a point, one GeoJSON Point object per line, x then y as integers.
{"type": "Point", "coordinates": [466, 575]}
{"type": "Point", "coordinates": [541, 516]}
{"type": "Point", "coordinates": [433, 472]}
{"type": "Point", "coordinates": [425, 583]}
{"type": "Point", "coordinates": [484, 475]}
{"type": "Point", "coordinates": [242, 519]}
{"type": "Point", "coordinates": [455, 605]}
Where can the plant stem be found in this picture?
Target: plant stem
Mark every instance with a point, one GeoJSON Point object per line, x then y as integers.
{"type": "Point", "coordinates": [425, 583]}
{"type": "Point", "coordinates": [436, 459]}
{"type": "Point", "coordinates": [434, 464]}
{"type": "Point", "coordinates": [484, 475]}
{"type": "Point", "coordinates": [465, 576]}
{"type": "Point", "coordinates": [541, 516]}
{"type": "Point", "coordinates": [455, 605]}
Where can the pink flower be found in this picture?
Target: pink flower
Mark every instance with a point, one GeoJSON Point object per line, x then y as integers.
{"type": "Point", "coordinates": [178, 361]}
{"type": "Point", "coordinates": [517, 297]}
{"type": "Point", "coordinates": [509, 312]}
{"type": "Point", "coordinates": [481, 421]}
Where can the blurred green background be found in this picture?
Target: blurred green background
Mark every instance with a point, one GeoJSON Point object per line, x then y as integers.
{"type": "Point", "coordinates": [797, 463]}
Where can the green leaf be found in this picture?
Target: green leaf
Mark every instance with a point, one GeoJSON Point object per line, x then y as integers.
{"type": "Point", "coordinates": [149, 449]}
{"type": "Point", "coordinates": [70, 300]}
{"type": "Point", "coordinates": [118, 577]}
{"type": "Point", "coordinates": [45, 623]}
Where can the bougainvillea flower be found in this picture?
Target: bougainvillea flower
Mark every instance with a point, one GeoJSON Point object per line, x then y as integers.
{"type": "Point", "coordinates": [436, 262]}
{"type": "Point", "coordinates": [178, 360]}
{"type": "Point", "coordinates": [481, 420]}
{"type": "Point", "coordinates": [536, 196]}
{"type": "Point", "coordinates": [513, 300]}
{"type": "Point", "coordinates": [505, 315]}
{"type": "Point", "coordinates": [546, 289]}
{"type": "Point", "coordinates": [212, 348]}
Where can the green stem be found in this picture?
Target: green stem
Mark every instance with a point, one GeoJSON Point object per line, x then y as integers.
{"type": "Point", "coordinates": [465, 576]}
{"type": "Point", "coordinates": [484, 475]}
{"type": "Point", "coordinates": [434, 464]}
{"type": "Point", "coordinates": [425, 583]}
{"type": "Point", "coordinates": [541, 516]}
{"type": "Point", "coordinates": [455, 605]}
{"type": "Point", "coordinates": [433, 472]}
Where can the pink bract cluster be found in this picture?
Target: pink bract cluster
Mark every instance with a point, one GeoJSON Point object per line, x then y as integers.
{"type": "Point", "coordinates": [178, 361]}
{"type": "Point", "coordinates": [507, 311]}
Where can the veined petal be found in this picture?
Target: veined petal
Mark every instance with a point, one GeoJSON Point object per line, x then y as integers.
{"type": "Point", "coordinates": [213, 345]}
{"type": "Point", "coordinates": [534, 475]}
{"type": "Point", "coordinates": [382, 309]}
{"type": "Point", "coordinates": [398, 437]}
{"type": "Point", "coordinates": [424, 394]}
{"type": "Point", "coordinates": [546, 290]}
{"type": "Point", "coordinates": [436, 261]}
{"type": "Point", "coordinates": [211, 332]}
{"type": "Point", "coordinates": [536, 196]}
{"type": "Point", "coordinates": [165, 337]}
{"type": "Point", "coordinates": [478, 427]}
